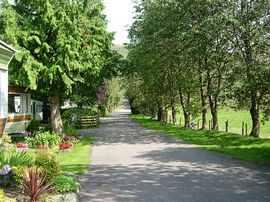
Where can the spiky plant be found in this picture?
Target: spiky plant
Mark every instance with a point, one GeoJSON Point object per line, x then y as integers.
{"type": "Point", "coordinates": [34, 184]}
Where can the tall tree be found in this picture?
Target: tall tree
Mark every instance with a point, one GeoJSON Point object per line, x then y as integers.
{"type": "Point", "coordinates": [251, 27]}
{"type": "Point", "coordinates": [61, 42]}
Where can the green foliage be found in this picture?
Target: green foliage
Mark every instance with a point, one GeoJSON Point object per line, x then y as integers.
{"type": "Point", "coordinates": [69, 129]}
{"type": "Point", "coordinates": [6, 141]}
{"type": "Point", "coordinates": [73, 116]}
{"type": "Point", "coordinates": [46, 138]}
{"type": "Point", "coordinates": [5, 198]}
{"type": "Point", "coordinates": [64, 48]}
{"type": "Point", "coordinates": [115, 91]}
{"type": "Point", "coordinates": [65, 184]}
{"type": "Point", "coordinates": [48, 161]}
{"type": "Point", "coordinates": [35, 126]}
{"type": "Point", "coordinates": [102, 110]}
{"type": "Point", "coordinates": [14, 158]}
{"type": "Point", "coordinates": [18, 178]}
{"type": "Point", "coordinates": [198, 54]}
{"type": "Point", "coordinates": [35, 185]}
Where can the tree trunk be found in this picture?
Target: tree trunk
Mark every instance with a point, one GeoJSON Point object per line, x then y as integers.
{"type": "Point", "coordinates": [56, 119]}
{"type": "Point", "coordinates": [160, 113]}
{"type": "Point", "coordinates": [173, 111]}
{"type": "Point", "coordinates": [164, 116]}
{"type": "Point", "coordinates": [185, 108]}
{"type": "Point", "coordinates": [212, 102]}
{"type": "Point", "coordinates": [255, 116]}
{"type": "Point", "coordinates": [214, 113]}
{"type": "Point", "coordinates": [187, 119]}
{"type": "Point", "coordinates": [203, 103]}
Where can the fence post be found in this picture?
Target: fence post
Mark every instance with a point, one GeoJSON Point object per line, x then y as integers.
{"type": "Point", "coordinates": [243, 127]}
{"type": "Point", "coordinates": [170, 119]}
{"type": "Point", "coordinates": [180, 122]}
{"type": "Point", "coordinates": [246, 129]}
{"type": "Point", "coordinates": [209, 125]}
{"type": "Point", "coordinates": [227, 126]}
{"type": "Point", "coordinates": [198, 124]}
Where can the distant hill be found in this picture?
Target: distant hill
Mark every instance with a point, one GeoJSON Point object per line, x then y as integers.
{"type": "Point", "coordinates": [120, 49]}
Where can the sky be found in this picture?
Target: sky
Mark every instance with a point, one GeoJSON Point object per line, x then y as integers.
{"type": "Point", "coordinates": [119, 15]}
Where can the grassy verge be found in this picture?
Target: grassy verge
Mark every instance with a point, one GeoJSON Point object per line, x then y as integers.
{"type": "Point", "coordinates": [240, 147]}
{"type": "Point", "coordinates": [77, 161]}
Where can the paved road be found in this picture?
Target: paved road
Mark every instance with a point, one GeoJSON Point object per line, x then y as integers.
{"type": "Point", "coordinates": [132, 163]}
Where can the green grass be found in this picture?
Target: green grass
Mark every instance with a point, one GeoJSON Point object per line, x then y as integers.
{"type": "Point", "coordinates": [235, 119]}
{"type": "Point", "coordinates": [77, 161]}
{"type": "Point", "coordinates": [240, 147]}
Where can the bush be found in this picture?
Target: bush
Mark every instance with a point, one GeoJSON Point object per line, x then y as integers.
{"type": "Point", "coordinates": [49, 163]}
{"type": "Point", "coordinates": [13, 158]}
{"type": "Point", "coordinates": [44, 138]}
{"type": "Point", "coordinates": [4, 198]}
{"type": "Point", "coordinates": [65, 184]}
{"type": "Point", "coordinates": [73, 116]}
{"type": "Point", "coordinates": [34, 126]}
{"type": "Point", "coordinates": [34, 183]}
{"type": "Point", "coordinates": [6, 141]}
{"type": "Point", "coordinates": [102, 110]}
{"type": "Point", "coordinates": [69, 129]}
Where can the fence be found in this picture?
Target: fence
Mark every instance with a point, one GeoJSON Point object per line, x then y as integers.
{"type": "Point", "coordinates": [89, 121]}
{"type": "Point", "coordinates": [196, 124]}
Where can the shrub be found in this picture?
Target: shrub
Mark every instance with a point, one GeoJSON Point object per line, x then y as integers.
{"type": "Point", "coordinates": [65, 184]}
{"type": "Point", "coordinates": [6, 141]}
{"type": "Point", "coordinates": [16, 159]}
{"type": "Point", "coordinates": [35, 126]}
{"type": "Point", "coordinates": [4, 198]}
{"type": "Point", "coordinates": [44, 138]}
{"type": "Point", "coordinates": [69, 129]}
{"type": "Point", "coordinates": [49, 163]}
{"type": "Point", "coordinates": [73, 116]}
{"type": "Point", "coordinates": [102, 110]}
{"type": "Point", "coordinates": [18, 177]}
{"type": "Point", "coordinates": [34, 182]}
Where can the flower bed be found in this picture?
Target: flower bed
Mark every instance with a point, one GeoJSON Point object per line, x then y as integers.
{"type": "Point", "coordinates": [65, 146]}
{"type": "Point", "coordinates": [21, 146]}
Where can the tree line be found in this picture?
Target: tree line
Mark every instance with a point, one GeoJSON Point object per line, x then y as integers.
{"type": "Point", "coordinates": [200, 55]}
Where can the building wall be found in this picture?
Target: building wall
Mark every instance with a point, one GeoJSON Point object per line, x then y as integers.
{"type": "Point", "coordinates": [3, 93]}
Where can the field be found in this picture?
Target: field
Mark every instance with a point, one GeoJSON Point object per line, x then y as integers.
{"type": "Point", "coordinates": [235, 119]}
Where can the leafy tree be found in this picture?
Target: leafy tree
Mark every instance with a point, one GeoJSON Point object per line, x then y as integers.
{"type": "Point", "coordinates": [62, 45]}
{"type": "Point", "coordinates": [250, 22]}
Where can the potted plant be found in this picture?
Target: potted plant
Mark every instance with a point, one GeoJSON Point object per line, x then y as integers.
{"type": "Point", "coordinates": [21, 146]}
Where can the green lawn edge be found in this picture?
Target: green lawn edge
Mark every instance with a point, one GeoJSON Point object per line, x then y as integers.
{"type": "Point", "coordinates": [250, 149]}
{"type": "Point", "coordinates": [78, 160]}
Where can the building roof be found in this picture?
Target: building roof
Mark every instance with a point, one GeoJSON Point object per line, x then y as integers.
{"type": "Point", "coordinates": [8, 47]}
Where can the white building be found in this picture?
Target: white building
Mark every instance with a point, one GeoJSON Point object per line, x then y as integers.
{"type": "Point", "coordinates": [6, 54]}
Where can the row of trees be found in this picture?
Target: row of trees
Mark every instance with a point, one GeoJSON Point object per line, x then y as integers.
{"type": "Point", "coordinates": [199, 55]}
{"type": "Point", "coordinates": [64, 49]}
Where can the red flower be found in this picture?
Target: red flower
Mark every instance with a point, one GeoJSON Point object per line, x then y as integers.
{"type": "Point", "coordinates": [63, 146]}
{"type": "Point", "coordinates": [21, 145]}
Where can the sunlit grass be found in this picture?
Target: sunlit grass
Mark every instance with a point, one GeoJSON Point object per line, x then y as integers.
{"type": "Point", "coordinates": [240, 147]}
{"type": "Point", "coordinates": [235, 119]}
{"type": "Point", "coordinates": [78, 160]}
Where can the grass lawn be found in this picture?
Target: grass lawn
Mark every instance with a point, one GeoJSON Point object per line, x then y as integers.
{"type": "Point", "coordinates": [235, 119]}
{"type": "Point", "coordinates": [239, 147]}
{"type": "Point", "coordinates": [77, 161]}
